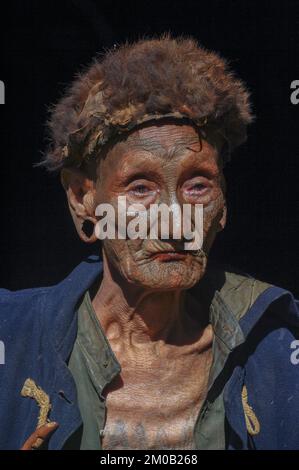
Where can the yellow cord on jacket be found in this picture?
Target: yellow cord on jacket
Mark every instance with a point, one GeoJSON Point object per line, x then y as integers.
{"type": "Point", "coordinates": [252, 423]}
{"type": "Point", "coordinates": [30, 389]}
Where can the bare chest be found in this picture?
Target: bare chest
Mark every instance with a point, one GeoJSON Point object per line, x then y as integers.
{"type": "Point", "coordinates": [156, 407]}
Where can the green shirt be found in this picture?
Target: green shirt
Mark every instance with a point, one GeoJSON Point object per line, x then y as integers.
{"type": "Point", "coordinates": [94, 365]}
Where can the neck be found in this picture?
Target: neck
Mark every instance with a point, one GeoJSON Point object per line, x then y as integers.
{"type": "Point", "coordinates": [138, 315]}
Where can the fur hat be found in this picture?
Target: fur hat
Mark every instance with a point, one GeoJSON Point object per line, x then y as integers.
{"type": "Point", "coordinates": [135, 83]}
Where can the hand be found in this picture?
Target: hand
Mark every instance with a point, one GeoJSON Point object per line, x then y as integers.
{"type": "Point", "coordinates": [39, 436]}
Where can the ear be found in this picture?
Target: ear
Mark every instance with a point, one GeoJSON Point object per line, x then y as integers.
{"type": "Point", "coordinates": [80, 192]}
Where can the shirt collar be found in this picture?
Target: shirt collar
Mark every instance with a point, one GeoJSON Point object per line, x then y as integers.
{"type": "Point", "coordinates": [225, 324]}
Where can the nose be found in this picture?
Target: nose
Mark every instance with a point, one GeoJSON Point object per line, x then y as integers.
{"type": "Point", "coordinates": [168, 218]}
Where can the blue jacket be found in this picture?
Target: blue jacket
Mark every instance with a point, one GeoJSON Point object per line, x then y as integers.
{"type": "Point", "coordinates": [38, 328]}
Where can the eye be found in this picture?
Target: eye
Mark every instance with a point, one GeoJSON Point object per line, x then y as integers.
{"type": "Point", "coordinates": [140, 189]}
{"type": "Point", "coordinates": [196, 187]}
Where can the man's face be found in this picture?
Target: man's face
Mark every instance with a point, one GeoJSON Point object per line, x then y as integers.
{"type": "Point", "coordinates": [162, 163]}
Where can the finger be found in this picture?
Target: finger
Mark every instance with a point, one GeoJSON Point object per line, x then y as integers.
{"type": "Point", "coordinates": [39, 436]}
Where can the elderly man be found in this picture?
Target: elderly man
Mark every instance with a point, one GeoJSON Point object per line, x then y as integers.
{"type": "Point", "coordinates": [150, 348]}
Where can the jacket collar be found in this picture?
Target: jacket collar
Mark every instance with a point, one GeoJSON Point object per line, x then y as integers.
{"type": "Point", "coordinates": [63, 300]}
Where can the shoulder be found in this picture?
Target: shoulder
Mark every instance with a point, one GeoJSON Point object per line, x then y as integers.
{"type": "Point", "coordinates": [27, 297]}
{"type": "Point", "coordinates": [269, 318]}
{"type": "Point", "coordinates": [241, 291]}
{"type": "Point", "coordinates": [250, 299]}
{"type": "Point", "coordinates": [18, 308]}
{"type": "Point", "coordinates": [28, 305]}
{"type": "Point", "coordinates": [238, 290]}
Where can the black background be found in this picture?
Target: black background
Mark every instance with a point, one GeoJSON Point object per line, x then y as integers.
{"type": "Point", "coordinates": [45, 43]}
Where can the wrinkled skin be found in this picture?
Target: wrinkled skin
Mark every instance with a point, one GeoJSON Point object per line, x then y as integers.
{"type": "Point", "coordinates": [142, 301]}
{"type": "Point", "coordinates": [162, 164]}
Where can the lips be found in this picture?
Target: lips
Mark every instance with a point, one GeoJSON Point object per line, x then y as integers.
{"type": "Point", "coordinates": [165, 251]}
{"type": "Point", "coordinates": [169, 256]}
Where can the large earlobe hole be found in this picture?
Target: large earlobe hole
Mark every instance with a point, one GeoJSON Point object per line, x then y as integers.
{"type": "Point", "coordinates": [88, 228]}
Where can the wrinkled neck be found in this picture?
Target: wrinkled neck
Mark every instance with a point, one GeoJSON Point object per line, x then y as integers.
{"type": "Point", "coordinates": [140, 315]}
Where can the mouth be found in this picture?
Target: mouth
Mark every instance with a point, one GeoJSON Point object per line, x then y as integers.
{"type": "Point", "coordinates": [165, 256]}
{"type": "Point", "coordinates": [166, 251]}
